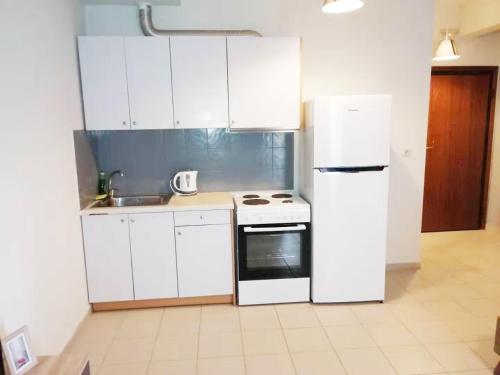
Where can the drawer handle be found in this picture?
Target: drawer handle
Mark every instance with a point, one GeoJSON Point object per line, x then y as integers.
{"type": "Point", "coordinates": [179, 233]}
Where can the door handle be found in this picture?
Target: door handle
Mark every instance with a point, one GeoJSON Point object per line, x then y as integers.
{"type": "Point", "coordinates": [429, 147]}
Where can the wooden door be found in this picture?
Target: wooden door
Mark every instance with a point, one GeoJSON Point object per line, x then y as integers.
{"type": "Point", "coordinates": [458, 149]}
{"type": "Point", "coordinates": [199, 79]}
{"type": "Point", "coordinates": [104, 83]}
{"type": "Point", "coordinates": [107, 258]}
{"type": "Point", "coordinates": [204, 260]}
{"type": "Point", "coordinates": [149, 82]}
{"type": "Point", "coordinates": [264, 82]}
{"type": "Point", "coordinates": [152, 244]}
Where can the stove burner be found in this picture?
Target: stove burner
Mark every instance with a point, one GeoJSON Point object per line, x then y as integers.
{"type": "Point", "coordinates": [287, 201]}
{"type": "Point", "coordinates": [282, 195]}
{"type": "Point", "coordinates": [251, 196]}
{"type": "Point", "coordinates": [255, 202]}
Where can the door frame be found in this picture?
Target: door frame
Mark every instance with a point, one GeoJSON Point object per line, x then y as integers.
{"type": "Point", "coordinates": [493, 72]}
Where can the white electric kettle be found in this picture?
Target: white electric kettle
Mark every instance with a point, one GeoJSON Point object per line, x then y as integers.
{"type": "Point", "coordinates": [184, 183]}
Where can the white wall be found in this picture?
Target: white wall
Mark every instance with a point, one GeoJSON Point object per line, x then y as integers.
{"type": "Point", "coordinates": [383, 48]}
{"type": "Point", "coordinates": [482, 50]}
{"type": "Point", "coordinates": [42, 276]}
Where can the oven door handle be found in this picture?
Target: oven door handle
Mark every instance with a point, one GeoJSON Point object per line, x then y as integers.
{"type": "Point", "coordinates": [294, 228]}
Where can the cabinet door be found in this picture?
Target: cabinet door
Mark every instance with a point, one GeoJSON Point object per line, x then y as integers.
{"type": "Point", "coordinates": [199, 79]}
{"type": "Point", "coordinates": [264, 82]}
{"type": "Point", "coordinates": [107, 258]}
{"type": "Point", "coordinates": [152, 244]}
{"type": "Point", "coordinates": [104, 83]}
{"type": "Point", "coordinates": [149, 82]}
{"type": "Point", "coordinates": [204, 260]}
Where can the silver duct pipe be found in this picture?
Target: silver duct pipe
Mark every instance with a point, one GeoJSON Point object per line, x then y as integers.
{"type": "Point", "coordinates": [146, 21]}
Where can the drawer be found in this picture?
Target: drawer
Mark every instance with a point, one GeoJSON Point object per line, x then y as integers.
{"type": "Point", "coordinates": [202, 217]}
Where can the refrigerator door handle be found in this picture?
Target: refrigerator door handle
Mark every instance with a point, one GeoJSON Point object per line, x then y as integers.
{"type": "Point", "coordinates": [374, 168]}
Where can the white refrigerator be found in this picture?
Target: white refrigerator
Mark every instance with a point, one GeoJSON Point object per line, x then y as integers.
{"type": "Point", "coordinates": [344, 174]}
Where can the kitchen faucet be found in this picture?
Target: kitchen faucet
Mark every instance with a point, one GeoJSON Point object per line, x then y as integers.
{"type": "Point", "coordinates": [111, 190]}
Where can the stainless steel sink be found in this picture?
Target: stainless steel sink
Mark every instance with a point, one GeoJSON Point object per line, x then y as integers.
{"type": "Point", "coordinates": [131, 201]}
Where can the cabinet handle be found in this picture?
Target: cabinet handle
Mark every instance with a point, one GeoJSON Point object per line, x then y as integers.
{"type": "Point", "coordinates": [122, 220]}
{"type": "Point", "coordinates": [179, 233]}
{"type": "Point", "coordinates": [124, 123]}
{"type": "Point", "coordinates": [177, 122]}
{"type": "Point", "coordinates": [201, 217]}
{"type": "Point", "coordinates": [132, 220]}
{"type": "Point", "coordinates": [232, 121]}
{"type": "Point", "coordinates": [134, 123]}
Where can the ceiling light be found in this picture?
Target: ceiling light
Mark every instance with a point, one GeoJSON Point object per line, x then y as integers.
{"type": "Point", "coordinates": [341, 6]}
{"type": "Point", "coordinates": [447, 49]}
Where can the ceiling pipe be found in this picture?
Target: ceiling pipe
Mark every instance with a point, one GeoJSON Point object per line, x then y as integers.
{"type": "Point", "coordinates": [146, 22]}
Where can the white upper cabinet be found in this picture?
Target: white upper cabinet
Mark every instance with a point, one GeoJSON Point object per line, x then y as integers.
{"type": "Point", "coordinates": [104, 83]}
{"type": "Point", "coordinates": [264, 82]}
{"type": "Point", "coordinates": [149, 82]}
{"type": "Point", "coordinates": [199, 79]}
{"type": "Point", "coordinates": [152, 244]}
{"type": "Point", "coordinates": [107, 258]}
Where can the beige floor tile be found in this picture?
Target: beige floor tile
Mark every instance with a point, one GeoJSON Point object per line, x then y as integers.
{"type": "Point", "coordinates": [130, 350]}
{"type": "Point", "coordinates": [391, 335]}
{"type": "Point", "coordinates": [412, 360]}
{"type": "Point", "coordinates": [124, 369]}
{"type": "Point", "coordinates": [412, 313]}
{"type": "Point", "coordinates": [476, 372]}
{"type": "Point", "coordinates": [184, 319]}
{"type": "Point", "coordinates": [483, 307]}
{"type": "Point", "coordinates": [137, 327]}
{"type": "Point", "coordinates": [221, 366]}
{"type": "Point", "coordinates": [447, 309]}
{"type": "Point", "coordinates": [455, 357]}
{"type": "Point", "coordinates": [317, 363]}
{"type": "Point", "coordinates": [297, 316]}
{"type": "Point", "coordinates": [264, 342]}
{"type": "Point", "coordinates": [94, 350]}
{"type": "Point", "coordinates": [365, 361]}
{"type": "Point", "coordinates": [219, 309]}
{"type": "Point", "coordinates": [484, 349]}
{"type": "Point", "coordinates": [472, 329]}
{"type": "Point", "coordinates": [226, 344]}
{"type": "Point", "coordinates": [275, 364]}
{"type": "Point", "coordinates": [219, 319]}
{"type": "Point", "coordinates": [140, 323]}
{"type": "Point", "coordinates": [349, 337]}
{"type": "Point", "coordinates": [253, 319]}
{"type": "Point", "coordinates": [180, 367]}
{"type": "Point", "coordinates": [458, 292]}
{"type": "Point", "coordinates": [374, 313]}
{"type": "Point", "coordinates": [178, 346]}
{"type": "Point", "coordinates": [100, 326]}
{"type": "Point", "coordinates": [307, 340]}
{"type": "Point", "coordinates": [432, 332]}
{"type": "Point", "coordinates": [334, 315]}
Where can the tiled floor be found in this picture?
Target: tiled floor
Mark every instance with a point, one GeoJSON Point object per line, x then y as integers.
{"type": "Point", "coordinates": [439, 320]}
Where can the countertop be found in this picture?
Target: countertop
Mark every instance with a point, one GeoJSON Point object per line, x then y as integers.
{"type": "Point", "coordinates": [200, 201]}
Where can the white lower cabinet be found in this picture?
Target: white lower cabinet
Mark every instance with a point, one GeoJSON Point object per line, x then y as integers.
{"type": "Point", "coordinates": [152, 244]}
{"type": "Point", "coordinates": [204, 260]}
{"type": "Point", "coordinates": [107, 258]}
{"type": "Point", "coordinates": [144, 256]}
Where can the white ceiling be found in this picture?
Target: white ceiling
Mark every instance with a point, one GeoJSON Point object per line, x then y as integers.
{"type": "Point", "coordinates": [130, 2]}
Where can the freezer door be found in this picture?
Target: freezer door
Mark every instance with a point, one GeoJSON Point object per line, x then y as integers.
{"type": "Point", "coordinates": [349, 232]}
{"type": "Point", "coordinates": [351, 130]}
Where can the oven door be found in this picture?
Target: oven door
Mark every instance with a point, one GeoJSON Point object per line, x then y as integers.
{"type": "Point", "coordinates": [269, 251]}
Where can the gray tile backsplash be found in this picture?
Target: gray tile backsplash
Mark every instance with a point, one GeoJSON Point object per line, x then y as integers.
{"type": "Point", "coordinates": [225, 161]}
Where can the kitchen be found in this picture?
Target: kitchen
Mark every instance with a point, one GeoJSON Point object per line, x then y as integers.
{"type": "Point", "coordinates": [235, 124]}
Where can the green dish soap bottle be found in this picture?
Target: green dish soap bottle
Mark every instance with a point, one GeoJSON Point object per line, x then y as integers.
{"type": "Point", "coordinates": [101, 185]}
